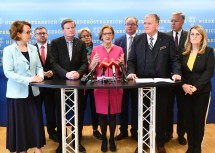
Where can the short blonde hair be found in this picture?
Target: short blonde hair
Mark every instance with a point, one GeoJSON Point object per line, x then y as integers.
{"type": "Point", "coordinates": [204, 41]}
{"type": "Point", "coordinates": [102, 29]}
{"type": "Point", "coordinates": [82, 30]}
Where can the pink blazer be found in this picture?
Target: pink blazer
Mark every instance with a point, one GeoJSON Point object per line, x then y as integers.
{"type": "Point", "coordinates": [105, 98]}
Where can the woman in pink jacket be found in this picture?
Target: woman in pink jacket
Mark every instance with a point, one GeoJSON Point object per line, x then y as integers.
{"type": "Point", "coordinates": [108, 101]}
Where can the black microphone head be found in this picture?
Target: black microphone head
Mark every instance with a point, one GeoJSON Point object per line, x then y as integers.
{"type": "Point", "coordinates": [84, 80]}
{"type": "Point", "coordinates": [121, 64]}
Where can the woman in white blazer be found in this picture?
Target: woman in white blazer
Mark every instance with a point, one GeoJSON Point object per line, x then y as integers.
{"type": "Point", "coordinates": [22, 66]}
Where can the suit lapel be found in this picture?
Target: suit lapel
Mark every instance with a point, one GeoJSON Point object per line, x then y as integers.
{"type": "Point", "coordinates": [143, 47]}
{"type": "Point", "coordinates": [64, 48]}
{"type": "Point", "coordinates": [20, 55]}
{"type": "Point", "coordinates": [186, 57]}
{"type": "Point", "coordinates": [157, 46]}
{"type": "Point", "coordinates": [74, 48]}
{"type": "Point", "coordinates": [39, 54]}
{"type": "Point", "coordinates": [124, 44]}
{"type": "Point", "coordinates": [182, 40]}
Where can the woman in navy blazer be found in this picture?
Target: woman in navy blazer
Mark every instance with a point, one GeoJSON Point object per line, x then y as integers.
{"type": "Point", "coordinates": [22, 66]}
{"type": "Point", "coordinates": [197, 69]}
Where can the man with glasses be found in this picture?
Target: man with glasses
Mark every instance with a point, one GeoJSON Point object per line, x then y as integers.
{"type": "Point", "coordinates": [69, 62]}
{"type": "Point", "coordinates": [46, 94]}
{"type": "Point", "coordinates": [125, 41]}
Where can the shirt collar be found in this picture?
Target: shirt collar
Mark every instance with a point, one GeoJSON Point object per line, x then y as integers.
{"type": "Point", "coordinates": [179, 33]}
{"type": "Point", "coordinates": [155, 37]}
{"type": "Point", "coordinates": [127, 35]}
{"type": "Point", "coordinates": [39, 45]}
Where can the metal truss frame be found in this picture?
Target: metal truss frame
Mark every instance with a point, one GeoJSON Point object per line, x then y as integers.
{"type": "Point", "coordinates": [69, 118]}
{"type": "Point", "coordinates": [147, 114]}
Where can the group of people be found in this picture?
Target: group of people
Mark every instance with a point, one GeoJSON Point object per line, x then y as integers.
{"type": "Point", "coordinates": [179, 55]}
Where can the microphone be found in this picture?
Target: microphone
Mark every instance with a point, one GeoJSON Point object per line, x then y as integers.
{"type": "Point", "coordinates": [103, 66]}
{"type": "Point", "coordinates": [121, 65]}
{"type": "Point", "coordinates": [113, 64]}
{"type": "Point", "coordinates": [85, 78]}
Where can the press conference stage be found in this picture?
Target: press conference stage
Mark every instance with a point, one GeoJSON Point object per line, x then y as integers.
{"type": "Point", "coordinates": [124, 146]}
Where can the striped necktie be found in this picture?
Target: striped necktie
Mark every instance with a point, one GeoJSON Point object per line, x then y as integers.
{"type": "Point", "coordinates": [151, 43]}
{"type": "Point", "coordinates": [130, 39]}
{"type": "Point", "coordinates": [70, 49]}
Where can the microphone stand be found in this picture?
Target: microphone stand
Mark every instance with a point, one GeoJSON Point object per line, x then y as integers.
{"type": "Point", "coordinates": [124, 76]}
{"type": "Point", "coordinates": [89, 76]}
{"type": "Point", "coordinates": [103, 69]}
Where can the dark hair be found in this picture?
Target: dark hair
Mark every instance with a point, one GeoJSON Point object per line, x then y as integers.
{"type": "Point", "coordinates": [39, 28]}
{"type": "Point", "coordinates": [102, 29]}
{"type": "Point", "coordinates": [136, 20]}
{"type": "Point", "coordinates": [66, 21]}
{"type": "Point", "coordinates": [16, 27]}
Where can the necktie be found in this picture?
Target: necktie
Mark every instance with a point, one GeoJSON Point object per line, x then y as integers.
{"type": "Point", "coordinates": [151, 43]}
{"type": "Point", "coordinates": [130, 39]}
{"type": "Point", "coordinates": [176, 40]}
{"type": "Point", "coordinates": [43, 58]}
{"type": "Point", "coordinates": [70, 50]}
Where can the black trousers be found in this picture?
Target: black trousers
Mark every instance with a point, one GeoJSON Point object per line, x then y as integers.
{"type": "Point", "coordinates": [47, 96]}
{"type": "Point", "coordinates": [81, 105]}
{"type": "Point", "coordinates": [176, 96]}
{"type": "Point", "coordinates": [129, 95]}
{"type": "Point", "coordinates": [95, 117]}
{"type": "Point", "coordinates": [196, 109]}
{"type": "Point", "coordinates": [162, 103]}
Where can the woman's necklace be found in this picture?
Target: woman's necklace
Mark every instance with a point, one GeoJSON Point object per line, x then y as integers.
{"type": "Point", "coordinates": [107, 47]}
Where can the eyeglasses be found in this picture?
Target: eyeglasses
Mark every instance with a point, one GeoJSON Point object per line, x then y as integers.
{"type": "Point", "coordinates": [41, 33]}
{"type": "Point", "coordinates": [27, 32]}
{"type": "Point", "coordinates": [195, 35]}
{"type": "Point", "coordinates": [130, 24]}
{"type": "Point", "coordinates": [107, 34]}
{"type": "Point", "coordinates": [85, 36]}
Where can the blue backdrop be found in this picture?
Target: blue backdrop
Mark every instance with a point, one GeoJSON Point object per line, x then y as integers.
{"type": "Point", "coordinates": [94, 14]}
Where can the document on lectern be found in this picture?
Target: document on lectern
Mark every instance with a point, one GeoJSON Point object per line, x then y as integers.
{"type": "Point", "coordinates": [153, 80]}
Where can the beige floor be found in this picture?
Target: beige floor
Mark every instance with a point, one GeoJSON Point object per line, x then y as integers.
{"type": "Point", "coordinates": [128, 145]}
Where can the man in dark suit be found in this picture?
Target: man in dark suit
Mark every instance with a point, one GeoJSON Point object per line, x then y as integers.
{"type": "Point", "coordinates": [47, 94]}
{"type": "Point", "coordinates": [69, 62]}
{"type": "Point", "coordinates": [179, 36]}
{"type": "Point", "coordinates": [125, 41]}
{"type": "Point", "coordinates": [153, 55]}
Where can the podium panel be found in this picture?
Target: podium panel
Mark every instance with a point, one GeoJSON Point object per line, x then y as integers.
{"type": "Point", "coordinates": [69, 103]}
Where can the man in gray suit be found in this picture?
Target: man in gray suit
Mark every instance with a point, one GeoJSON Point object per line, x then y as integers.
{"type": "Point", "coordinates": [179, 36]}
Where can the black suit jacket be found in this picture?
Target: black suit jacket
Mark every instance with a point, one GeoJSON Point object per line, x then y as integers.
{"type": "Point", "coordinates": [61, 63]}
{"type": "Point", "coordinates": [47, 65]}
{"type": "Point", "coordinates": [165, 56]}
{"type": "Point", "coordinates": [203, 69]}
{"type": "Point", "coordinates": [182, 40]}
{"type": "Point", "coordinates": [122, 42]}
